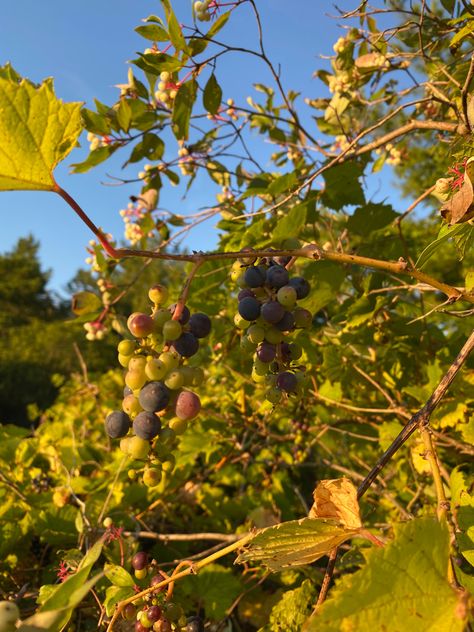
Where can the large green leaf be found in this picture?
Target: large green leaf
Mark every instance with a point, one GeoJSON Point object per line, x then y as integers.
{"type": "Point", "coordinates": [371, 217]}
{"type": "Point", "coordinates": [182, 109]}
{"type": "Point", "coordinates": [295, 543]}
{"type": "Point", "coordinates": [343, 186]}
{"type": "Point", "coordinates": [403, 587]}
{"type": "Point", "coordinates": [37, 131]}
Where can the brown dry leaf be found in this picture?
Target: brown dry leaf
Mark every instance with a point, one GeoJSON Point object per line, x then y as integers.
{"type": "Point", "coordinates": [337, 500]}
{"type": "Point", "coordinates": [460, 207]}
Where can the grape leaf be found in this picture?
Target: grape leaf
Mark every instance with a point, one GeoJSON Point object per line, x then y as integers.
{"type": "Point", "coordinates": [404, 585]}
{"type": "Point", "coordinates": [37, 131]}
{"type": "Point", "coordinates": [337, 499]}
{"type": "Point", "coordinates": [295, 543]}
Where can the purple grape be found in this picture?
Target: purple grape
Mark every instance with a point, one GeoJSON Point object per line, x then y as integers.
{"type": "Point", "coordinates": [186, 345]}
{"type": "Point", "coordinates": [303, 318]}
{"type": "Point", "coordinates": [255, 276]}
{"type": "Point", "coordinates": [272, 312]}
{"type": "Point", "coordinates": [244, 293]}
{"type": "Point", "coordinates": [188, 405]}
{"type": "Point", "coordinates": [185, 314]}
{"type": "Point", "coordinates": [277, 276]}
{"type": "Point", "coordinates": [301, 286]}
{"type": "Point", "coordinates": [200, 325]}
{"type": "Point", "coordinates": [287, 323]}
{"type": "Point", "coordinates": [146, 425]}
{"type": "Point", "coordinates": [285, 351]}
{"type": "Point", "coordinates": [139, 560]}
{"type": "Point", "coordinates": [154, 613]}
{"type": "Point", "coordinates": [249, 308]}
{"type": "Point", "coordinates": [287, 382]}
{"type": "Point", "coordinates": [154, 397]}
{"type": "Point", "coordinates": [157, 579]}
{"type": "Point", "coordinates": [282, 261]}
{"type": "Point", "coordinates": [266, 352]}
{"type": "Point", "coordinates": [117, 424]}
{"type": "Point", "coordinates": [127, 391]}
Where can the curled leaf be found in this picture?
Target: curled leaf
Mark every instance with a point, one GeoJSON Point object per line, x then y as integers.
{"type": "Point", "coordinates": [337, 500]}
{"type": "Point", "coordinates": [460, 207]}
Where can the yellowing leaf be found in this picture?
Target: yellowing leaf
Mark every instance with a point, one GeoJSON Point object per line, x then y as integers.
{"type": "Point", "coordinates": [402, 588]}
{"type": "Point", "coordinates": [295, 543]}
{"type": "Point", "coordinates": [37, 131]}
{"type": "Point", "coordinates": [460, 207]}
{"type": "Point", "coordinates": [337, 500]}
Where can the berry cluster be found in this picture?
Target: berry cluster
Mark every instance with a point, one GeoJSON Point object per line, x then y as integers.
{"type": "Point", "coordinates": [157, 613]}
{"type": "Point", "coordinates": [155, 382]}
{"type": "Point", "coordinates": [267, 314]}
{"type": "Point", "coordinates": [167, 88]}
{"type": "Point", "coordinates": [201, 9]}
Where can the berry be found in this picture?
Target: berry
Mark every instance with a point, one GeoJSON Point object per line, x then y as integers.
{"type": "Point", "coordinates": [146, 425]}
{"type": "Point", "coordinates": [277, 276]}
{"type": "Point", "coordinates": [139, 560]}
{"type": "Point", "coordinates": [158, 294]}
{"type": "Point", "coordinates": [272, 312]}
{"type": "Point", "coordinates": [287, 382]}
{"type": "Point", "coordinates": [186, 345]}
{"type": "Point", "coordinates": [200, 325]}
{"type": "Point", "coordinates": [140, 325]}
{"type": "Point", "coordinates": [255, 276]}
{"type": "Point", "coordinates": [249, 308]}
{"type": "Point", "coordinates": [188, 405]}
{"type": "Point", "coordinates": [301, 286]}
{"type": "Point", "coordinates": [185, 314]}
{"type": "Point", "coordinates": [154, 397]}
{"type": "Point", "coordinates": [117, 424]}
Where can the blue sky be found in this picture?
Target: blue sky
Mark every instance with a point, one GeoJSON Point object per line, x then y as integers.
{"type": "Point", "coordinates": [85, 47]}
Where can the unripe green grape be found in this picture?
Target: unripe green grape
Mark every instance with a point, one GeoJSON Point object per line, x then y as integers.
{"type": "Point", "coordinates": [126, 347]}
{"type": "Point", "coordinates": [152, 477]}
{"type": "Point", "coordinates": [161, 317]}
{"type": "Point", "coordinates": [173, 611]}
{"type": "Point", "coordinates": [141, 573]}
{"type": "Point", "coordinates": [125, 445]}
{"type": "Point", "coordinates": [168, 464]}
{"type": "Point", "coordinates": [240, 322]}
{"type": "Point", "coordinates": [274, 335]}
{"type": "Point", "coordinates": [286, 296]}
{"type": "Point", "coordinates": [135, 379]}
{"type": "Point", "coordinates": [247, 345]}
{"type": "Point", "coordinates": [256, 334]}
{"type": "Point", "coordinates": [273, 395]}
{"type": "Point", "coordinates": [175, 379]}
{"type": "Point", "coordinates": [170, 359]}
{"type": "Point", "coordinates": [155, 369]}
{"type": "Point", "coordinates": [138, 448]}
{"type": "Point", "coordinates": [303, 318]}
{"type": "Point", "coordinates": [167, 435]}
{"type": "Point", "coordinates": [155, 340]}
{"type": "Point", "coordinates": [182, 621]}
{"type": "Point", "coordinates": [158, 294]}
{"type": "Point", "coordinates": [172, 330]}
{"type": "Point", "coordinates": [132, 474]}
{"type": "Point", "coordinates": [137, 363]}
{"type": "Point", "coordinates": [178, 425]}
{"type": "Point", "coordinates": [198, 376]}
{"type": "Point", "coordinates": [131, 405]}
{"type": "Point", "coordinates": [107, 522]}
{"type": "Point", "coordinates": [124, 360]}
{"type": "Point", "coordinates": [161, 451]}
{"type": "Point", "coordinates": [259, 367]}
{"type": "Point", "coordinates": [259, 379]}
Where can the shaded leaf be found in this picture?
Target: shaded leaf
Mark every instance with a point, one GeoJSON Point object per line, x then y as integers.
{"type": "Point", "coordinates": [37, 131]}
{"type": "Point", "coordinates": [295, 543]}
{"type": "Point", "coordinates": [182, 109]}
{"type": "Point", "coordinates": [291, 224]}
{"type": "Point", "coordinates": [343, 186]}
{"type": "Point", "coordinates": [212, 95]}
{"type": "Point", "coordinates": [446, 232]}
{"type": "Point", "coordinates": [371, 217]}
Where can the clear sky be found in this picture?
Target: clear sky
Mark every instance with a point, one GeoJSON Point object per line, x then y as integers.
{"type": "Point", "coordinates": [85, 46]}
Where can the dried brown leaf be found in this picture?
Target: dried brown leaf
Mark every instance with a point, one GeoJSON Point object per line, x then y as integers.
{"type": "Point", "coordinates": [460, 207]}
{"type": "Point", "coordinates": [336, 499]}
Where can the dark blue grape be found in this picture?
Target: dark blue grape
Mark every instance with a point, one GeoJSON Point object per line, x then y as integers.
{"type": "Point", "coordinates": [154, 396]}
{"type": "Point", "coordinates": [245, 293]}
{"type": "Point", "coordinates": [266, 352]}
{"type": "Point", "coordinates": [287, 323]}
{"type": "Point", "coordinates": [272, 312]}
{"type": "Point", "coordinates": [185, 314]}
{"type": "Point", "coordinates": [285, 350]}
{"type": "Point", "coordinates": [301, 286]}
{"type": "Point", "coordinates": [277, 276]}
{"type": "Point", "coordinates": [186, 345]}
{"type": "Point", "coordinates": [255, 276]}
{"type": "Point", "coordinates": [282, 261]}
{"type": "Point", "coordinates": [117, 424]}
{"type": "Point", "coordinates": [249, 308]}
{"type": "Point", "coordinates": [146, 425]}
{"type": "Point", "coordinates": [287, 382]}
{"type": "Point", "coordinates": [200, 325]}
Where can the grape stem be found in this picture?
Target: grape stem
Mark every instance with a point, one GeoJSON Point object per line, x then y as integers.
{"type": "Point", "coordinates": [312, 251]}
{"type": "Point", "coordinates": [185, 291]}
{"type": "Point", "coordinates": [191, 570]}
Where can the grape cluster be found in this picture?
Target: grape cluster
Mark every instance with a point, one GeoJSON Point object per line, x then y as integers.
{"type": "Point", "coordinates": [157, 613]}
{"type": "Point", "coordinates": [267, 314]}
{"type": "Point", "coordinates": [157, 383]}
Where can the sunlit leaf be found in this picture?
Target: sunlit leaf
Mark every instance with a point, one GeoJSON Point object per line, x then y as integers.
{"type": "Point", "coordinates": [37, 131]}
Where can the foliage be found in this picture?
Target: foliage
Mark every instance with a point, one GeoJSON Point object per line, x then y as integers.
{"type": "Point", "coordinates": [381, 346]}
